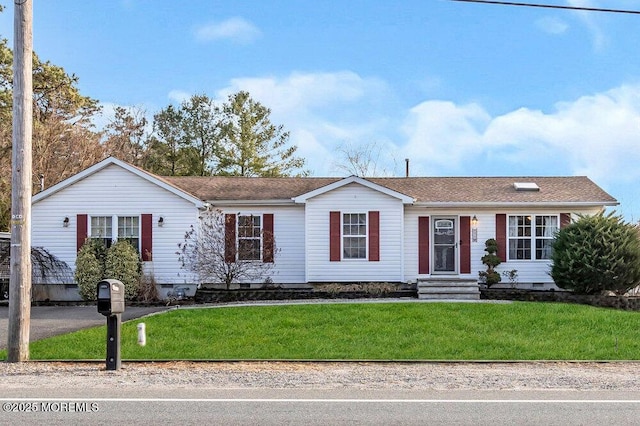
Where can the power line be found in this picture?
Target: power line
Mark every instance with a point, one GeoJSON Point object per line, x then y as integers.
{"type": "Point", "coordinates": [551, 6]}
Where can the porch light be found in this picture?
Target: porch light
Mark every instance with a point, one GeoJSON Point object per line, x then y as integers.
{"type": "Point", "coordinates": [161, 221]}
{"type": "Point", "coordinates": [65, 222]}
{"type": "Point", "coordinates": [474, 229]}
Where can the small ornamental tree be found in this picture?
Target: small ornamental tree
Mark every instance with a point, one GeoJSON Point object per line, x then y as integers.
{"type": "Point", "coordinates": [122, 263]}
{"type": "Point", "coordinates": [205, 253]}
{"type": "Point", "coordinates": [491, 259]}
{"type": "Point", "coordinates": [597, 253]}
{"type": "Point", "coordinates": [90, 268]}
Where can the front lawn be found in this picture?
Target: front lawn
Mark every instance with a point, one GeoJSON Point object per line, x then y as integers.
{"type": "Point", "coordinates": [369, 331]}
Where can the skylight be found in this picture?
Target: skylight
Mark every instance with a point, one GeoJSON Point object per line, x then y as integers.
{"type": "Point", "coordinates": [526, 186]}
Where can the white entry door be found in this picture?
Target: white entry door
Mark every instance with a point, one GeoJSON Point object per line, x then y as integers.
{"type": "Point", "coordinates": [445, 245]}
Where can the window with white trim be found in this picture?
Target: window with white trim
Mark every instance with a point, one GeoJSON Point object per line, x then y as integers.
{"type": "Point", "coordinates": [546, 229]}
{"type": "Point", "coordinates": [101, 229]}
{"type": "Point", "coordinates": [128, 229]}
{"type": "Point", "coordinates": [531, 237]}
{"type": "Point", "coordinates": [354, 236]}
{"type": "Point", "coordinates": [249, 238]}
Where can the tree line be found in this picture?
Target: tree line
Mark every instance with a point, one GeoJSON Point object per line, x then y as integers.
{"type": "Point", "coordinates": [199, 137]}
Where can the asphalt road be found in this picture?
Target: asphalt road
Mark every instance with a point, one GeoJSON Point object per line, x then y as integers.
{"type": "Point", "coordinates": [47, 321]}
{"type": "Point", "coordinates": [318, 407]}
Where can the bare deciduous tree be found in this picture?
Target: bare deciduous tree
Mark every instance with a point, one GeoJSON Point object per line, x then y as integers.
{"type": "Point", "coordinates": [364, 160]}
{"type": "Point", "coordinates": [211, 254]}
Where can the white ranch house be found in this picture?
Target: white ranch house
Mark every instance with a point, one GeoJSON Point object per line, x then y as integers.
{"type": "Point", "coordinates": [416, 230]}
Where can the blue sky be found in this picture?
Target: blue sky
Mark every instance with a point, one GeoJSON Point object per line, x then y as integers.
{"type": "Point", "coordinates": [460, 89]}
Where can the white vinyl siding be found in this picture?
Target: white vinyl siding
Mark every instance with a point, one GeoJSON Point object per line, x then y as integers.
{"type": "Point", "coordinates": [288, 237]}
{"type": "Point", "coordinates": [120, 193]}
{"type": "Point", "coordinates": [354, 198]}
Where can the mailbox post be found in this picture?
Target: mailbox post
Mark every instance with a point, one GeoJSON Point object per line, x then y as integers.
{"type": "Point", "coordinates": [111, 304]}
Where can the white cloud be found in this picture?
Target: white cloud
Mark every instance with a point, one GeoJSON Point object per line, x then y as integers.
{"type": "Point", "coordinates": [443, 134]}
{"type": "Point", "coordinates": [552, 25]}
{"type": "Point", "coordinates": [596, 135]}
{"type": "Point", "coordinates": [589, 19]}
{"type": "Point", "coordinates": [235, 29]}
{"type": "Point", "coordinates": [179, 96]}
{"type": "Point", "coordinates": [304, 91]}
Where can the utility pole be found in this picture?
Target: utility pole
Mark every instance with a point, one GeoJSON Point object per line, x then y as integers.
{"type": "Point", "coordinates": [20, 280]}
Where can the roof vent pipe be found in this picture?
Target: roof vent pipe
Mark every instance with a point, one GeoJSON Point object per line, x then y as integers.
{"type": "Point", "coordinates": [406, 173]}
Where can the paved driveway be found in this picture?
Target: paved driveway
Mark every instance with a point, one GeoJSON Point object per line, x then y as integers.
{"type": "Point", "coordinates": [47, 321]}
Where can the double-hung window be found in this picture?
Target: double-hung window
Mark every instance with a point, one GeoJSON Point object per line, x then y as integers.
{"type": "Point", "coordinates": [531, 237]}
{"type": "Point", "coordinates": [546, 228]}
{"type": "Point", "coordinates": [354, 236]}
{"type": "Point", "coordinates": [101, 229]}
{"type": "Point", "coordinates": [249, 237]}
{"type": "Point", "coordinates": [128, 228]}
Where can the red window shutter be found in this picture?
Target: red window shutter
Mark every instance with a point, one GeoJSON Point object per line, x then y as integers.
{"type": "Point", "coordinates": [374, 236]}
{"type": "Point", "coordinates": [334, 236]}
{"type": "Point", "coordinates": [465, 245]}
{"type": "Point", "coordinates": [229, 238]}
{"type": "Point", "coordinates": [501, 236]}
{"type": "Point", "coordinates": [267, 238]}
{"type": "Point", "coordinates": [82, 222]}
{"type": "Point", "coordinates": [423, 245]}
{"type": "Point", "coordinates": [146, 243]}
{"type": "Point", "coordinates": [565, 219]}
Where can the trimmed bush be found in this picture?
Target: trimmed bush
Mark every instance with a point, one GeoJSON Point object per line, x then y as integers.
{"type": "Point", "coordinates": [90, 268]}
{"type": "Point", "coordinates": [597, 253]}
{"type": "Point", "coordinates": [95, 262]}
{"type": "Point", "coordinates": [123, 264]}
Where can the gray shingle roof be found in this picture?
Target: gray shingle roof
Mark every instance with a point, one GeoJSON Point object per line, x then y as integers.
{"type": "Point", "coordinates": [574, 189]}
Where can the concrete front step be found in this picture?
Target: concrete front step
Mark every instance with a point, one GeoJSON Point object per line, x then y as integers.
{"type": "Point", "coordinates": [439, 289]}
{"type": "Point", "coordinates": [449, 296]}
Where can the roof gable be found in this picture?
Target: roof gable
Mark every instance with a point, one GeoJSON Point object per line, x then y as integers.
{"type": "Point", "coordinates": [353, 179]}
{"type": "Point", "coordinates": [128, 167]}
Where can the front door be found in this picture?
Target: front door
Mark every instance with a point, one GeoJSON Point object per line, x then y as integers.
{"type": "Point", "coordinates": [445, 244]}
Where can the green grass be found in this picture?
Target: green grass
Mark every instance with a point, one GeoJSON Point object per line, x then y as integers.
{"type": "Point", "coordinates": [399, 331]}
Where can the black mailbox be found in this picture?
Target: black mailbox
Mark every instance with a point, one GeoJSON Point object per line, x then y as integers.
{"type": "Point", "coordinates": [110, 297]}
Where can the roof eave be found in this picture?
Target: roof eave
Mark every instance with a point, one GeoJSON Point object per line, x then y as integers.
{"type": "Point", "coordinates": [278, 202]}
{"type": "Point", "coordinates": [509, 204]}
